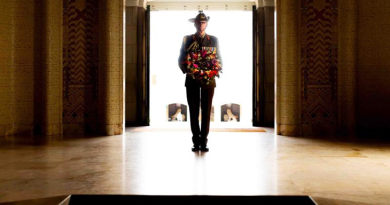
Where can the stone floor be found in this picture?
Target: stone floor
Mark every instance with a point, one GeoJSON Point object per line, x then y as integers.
{"type": "Point", "coordinates": [161, 163]}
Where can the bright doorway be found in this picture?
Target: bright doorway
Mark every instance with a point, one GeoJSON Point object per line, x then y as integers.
{"type": "Point", "coordinates": [232, 99]}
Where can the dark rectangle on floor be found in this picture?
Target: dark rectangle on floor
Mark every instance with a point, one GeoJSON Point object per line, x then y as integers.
{"type": "Point", "coordinates": [110, 199]}
{"type": "Point", "coordinates": [190, 199]}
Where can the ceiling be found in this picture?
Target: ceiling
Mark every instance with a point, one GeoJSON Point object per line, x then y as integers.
{"type": "Point", "coordinates": [200, 4]}
{"type": "Point", "coordinates": [196, 1]}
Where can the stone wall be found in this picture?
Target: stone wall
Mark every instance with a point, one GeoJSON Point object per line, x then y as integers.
{"type": "Point", "coordinates": [373, 73]}
{"type": "Point", "coordinates": [111, 67]}
{"type": "Point", "coordinates": [318, 66]}
{"type": "Point", "coordinates": [269, 62]}
{"type": "Point", "coordinates": [288, 84]}
{"type": "Point", "coordinates": [344, 61]}
{"type": "Point", "coordinates": [30, 67]}
{"type": "Point", "coordinates": [52, 73]}
{"type": "Point", "coordinates": [21, 23]}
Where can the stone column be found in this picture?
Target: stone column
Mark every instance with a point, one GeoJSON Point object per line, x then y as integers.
{"type": "Point", "coordinates": [269, 62]}
{"type": "Point", "coordinates": [7, 67]}
{"type": "Point", "coordinates": [111, 29]}
{"type": "Point", "coordinates": [288, 112]}
{"type": "Point", "coordinates": [52, 67]}
{"type": "Point", "coordinates": [348, 29]}
{"type": "Point", "coordinates": [21, 48]}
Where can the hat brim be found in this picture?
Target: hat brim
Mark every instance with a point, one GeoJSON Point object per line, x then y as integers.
{"type": "Point", "coordinates": [192, 20]}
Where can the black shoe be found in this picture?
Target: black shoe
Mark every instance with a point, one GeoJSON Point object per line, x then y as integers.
{"type": "Point", "coordinates": [204, 148]}
{"type": "Point", "coordinates": [195, 148]}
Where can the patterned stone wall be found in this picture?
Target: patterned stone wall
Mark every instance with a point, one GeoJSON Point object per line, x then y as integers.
{"type": "Point", "coordinates": [93, 66]}
{"type": "Point", "coordinates": [344, 67]}
{"type": "Point", "coordinates": [54, 79]}
{"type": "Point", "coordinates": [319, 64]}
{"type": "Point", "coordinates": [80, 65]}
{"type": "Point", "coordinates": [307, 67]}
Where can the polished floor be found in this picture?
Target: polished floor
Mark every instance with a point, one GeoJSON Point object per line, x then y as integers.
{"type": "Point", "coordinates": [161, 163]}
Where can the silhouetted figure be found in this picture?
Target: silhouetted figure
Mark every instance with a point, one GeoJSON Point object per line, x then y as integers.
{"type": "Point", "coordinates": [199, 92]}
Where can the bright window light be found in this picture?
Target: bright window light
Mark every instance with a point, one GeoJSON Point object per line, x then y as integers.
{"type": "Point", "coordinates": [234, 31]}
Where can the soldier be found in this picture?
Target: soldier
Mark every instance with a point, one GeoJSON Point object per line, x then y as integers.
{"type": "Point", "coordinates": [199, 91]}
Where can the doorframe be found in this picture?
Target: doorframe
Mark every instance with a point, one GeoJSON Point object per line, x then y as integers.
{"type": "Point", "coordinates": [147, 72]}
{"type": "Point", "coordinates": [258, 96]}
{"type": "Point", "coordinates": [258, 92]}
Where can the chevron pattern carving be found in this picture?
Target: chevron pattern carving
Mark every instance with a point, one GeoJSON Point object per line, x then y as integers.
{"type": "Point", "coordinates": [319, 61]}
{"type": "Point", "coordinates": [80, 61]}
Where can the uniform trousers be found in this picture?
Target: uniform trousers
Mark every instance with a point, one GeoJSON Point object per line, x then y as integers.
{"type": "Point", "coordinates": [203, 96]}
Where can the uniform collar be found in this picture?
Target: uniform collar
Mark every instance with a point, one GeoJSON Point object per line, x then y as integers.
{"type": "Point", "coordinates": [201, 38]}
{"type": "Point", "coordinates": [204, 34]}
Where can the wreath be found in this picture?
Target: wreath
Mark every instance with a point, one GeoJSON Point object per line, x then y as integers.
{"type": "Point", "coordinates": [202, 64]}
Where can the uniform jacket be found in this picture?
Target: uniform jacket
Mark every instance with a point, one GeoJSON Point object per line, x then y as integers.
{"type": "Point", "coordinates": [207, 41]}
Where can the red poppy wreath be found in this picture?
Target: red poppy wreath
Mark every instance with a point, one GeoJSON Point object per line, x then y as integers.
{"type": "Point", "coordinates": [203, 64]}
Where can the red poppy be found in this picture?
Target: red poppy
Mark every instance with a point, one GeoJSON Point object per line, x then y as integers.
{"type": "Point", "coordinates": [204, 52]}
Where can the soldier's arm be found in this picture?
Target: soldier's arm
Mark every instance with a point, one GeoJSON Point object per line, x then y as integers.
{"type": "Point", "coordinates": [219, 52]}
{"type": "Point", "coordinates": [181, 56]}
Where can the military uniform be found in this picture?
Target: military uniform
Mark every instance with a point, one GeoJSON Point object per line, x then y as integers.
{"type": "Point", "coordinates": [202, 43]}
{"type": "Point", "coordinates": [198, 92]}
